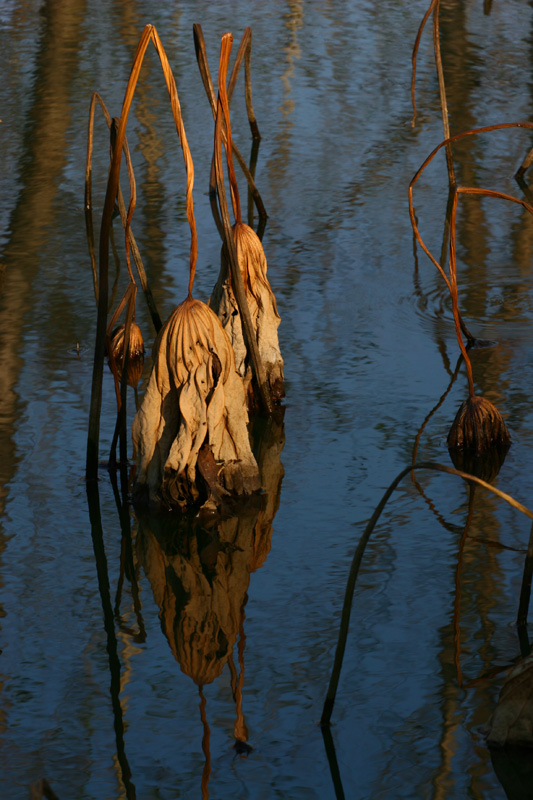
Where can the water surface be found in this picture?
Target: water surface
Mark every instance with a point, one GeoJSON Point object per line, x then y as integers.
{"type": "Point", "coordinates": [132, 663]}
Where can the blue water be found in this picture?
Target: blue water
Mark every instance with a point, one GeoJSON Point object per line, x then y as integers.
{"type": "Point", "coordinates": [117, 677]}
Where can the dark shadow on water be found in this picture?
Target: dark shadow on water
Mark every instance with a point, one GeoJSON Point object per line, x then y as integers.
{"type": "Point", "coordinates": [514, 770]}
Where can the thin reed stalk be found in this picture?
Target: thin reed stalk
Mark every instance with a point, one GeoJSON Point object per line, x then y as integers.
{"type": "Point", "coordinates": [453, 291]}
{"type": "Point", "coordinates": [414, 57]}
{"type": "Point", "coordinates": [442, 94]}
{"type": "Point", "coordinates": [358, 556]}
{"type": "Point", "coordinates": [434, 8]}
{"type": "Point", "coordinates": [120, 426]}
{"type": "Point", "coordinates": [459, 190]}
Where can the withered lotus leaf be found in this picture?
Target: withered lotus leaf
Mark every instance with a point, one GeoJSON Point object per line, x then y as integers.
{"type": "Point", "coordinates": [262, 305]}
{"type": "Point", "coordinates": [194, 396]}
{"type": "Point", "coordinates": [478, 425]}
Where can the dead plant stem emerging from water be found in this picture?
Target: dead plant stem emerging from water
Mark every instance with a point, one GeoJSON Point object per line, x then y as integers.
{"type": "Point", "coordinates": [235, 272]}
{"type": "Point", "coordinates": [358, 555]}
{"type": "Point", "coordinates": [149, 34]}
{"type": "Point", "coordinates": [435, 9]}
{"type": "Point", "coordinates": [203, 65]}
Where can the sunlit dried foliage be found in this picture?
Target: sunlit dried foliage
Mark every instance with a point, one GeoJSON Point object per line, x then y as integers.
{"type": "Point", "coordinates": [112, 192]}
{"type": "Point", "coordinates": [262, 304]}
{"type": "Point", "coordinates": [194, 398]}
{"type": "Point", "coordinates": [478, 425]}
{"type": "Point", "coordinates": [242, 297]}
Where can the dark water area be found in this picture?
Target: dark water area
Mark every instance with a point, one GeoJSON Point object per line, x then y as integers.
{"type": "Point", "coordinates": [164, 657]}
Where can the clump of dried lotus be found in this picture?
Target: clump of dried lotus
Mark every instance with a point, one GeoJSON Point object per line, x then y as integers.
{"type": "Point", "coordinates": [262, 305]}
{"type": "Point", "coordinates": [194, 400]}
{"type": "Point", "coordinates": [478, 426]}
{"type": "Point", "coordinates": [135, 355]}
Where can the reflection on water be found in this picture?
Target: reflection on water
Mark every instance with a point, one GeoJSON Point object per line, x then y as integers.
{"type": "Point", "coordinates": [91, 697]}
{"type": "Point", "coordinates": [199, 570]}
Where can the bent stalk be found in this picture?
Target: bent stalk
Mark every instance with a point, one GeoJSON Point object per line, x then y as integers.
{"type": "Point", "coordinates": [358, 556]}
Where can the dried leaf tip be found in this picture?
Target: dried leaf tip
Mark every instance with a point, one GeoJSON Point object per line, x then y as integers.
{"type": "Point", "coordinates": [262, 306]}
{"type": "Point", "coordinates": [478, 426]}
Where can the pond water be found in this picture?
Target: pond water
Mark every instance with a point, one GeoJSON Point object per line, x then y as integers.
{"type": "Point", "coordinates": [162, 657]}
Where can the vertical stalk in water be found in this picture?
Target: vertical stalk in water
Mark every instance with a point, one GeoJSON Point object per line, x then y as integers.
{"type": "Point", "coordinates": [442, 94]}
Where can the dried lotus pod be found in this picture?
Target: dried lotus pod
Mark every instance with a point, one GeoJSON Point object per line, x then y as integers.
{"type": "Point", "coordinates": [135, 355]}
{"type": "Point", "coordinates": [194, 397]}
{"type": "Point", "coordinates": [478, 426]}
{"type": "Point", "coordinates": [263, 309]}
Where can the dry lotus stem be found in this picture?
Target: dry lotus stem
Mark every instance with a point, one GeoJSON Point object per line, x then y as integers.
{"type": "Point", "coordinates": [478, 426]}
{"type": "Point", "coordinates": [135, 355]}
{"type": "Point", "coordinates": [262, 305]}
{"type": "Point", "coordinates": [195, 399]}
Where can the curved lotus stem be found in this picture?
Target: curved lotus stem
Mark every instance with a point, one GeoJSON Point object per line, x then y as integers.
{"type": "Point", "coordinates": [358, 555]}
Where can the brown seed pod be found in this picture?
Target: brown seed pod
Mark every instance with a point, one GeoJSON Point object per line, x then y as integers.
{"type": "Point", "coordinates": [135, 355]}
{"type": "Point", "coordinates": [477, 427]}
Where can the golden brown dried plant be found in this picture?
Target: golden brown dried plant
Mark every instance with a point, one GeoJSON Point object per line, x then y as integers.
{"type": "Point", "coordinates": [194, 399]}
{"type": "Point", "coordinates": [261, 331]}
{"type": "Point", "coordinates": [263, 309]}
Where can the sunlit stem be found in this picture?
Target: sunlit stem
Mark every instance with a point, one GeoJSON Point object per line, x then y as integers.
{"type": "Point", "coordinates": [455, 302]}
{"type": "Point", "coordinates": [442, 94]}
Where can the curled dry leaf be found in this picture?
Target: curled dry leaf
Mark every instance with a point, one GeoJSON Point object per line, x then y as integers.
{"type": "Point", "coordinates": [135, 355]}
{"type": "Point", "coordinates": [512, 721]}
{"type": "Point", "coordinates": [194, 397]}
{"type": "Point", "coordinates": [262, 305]}
{"type": "Point", "coordinates": [478, 426]}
